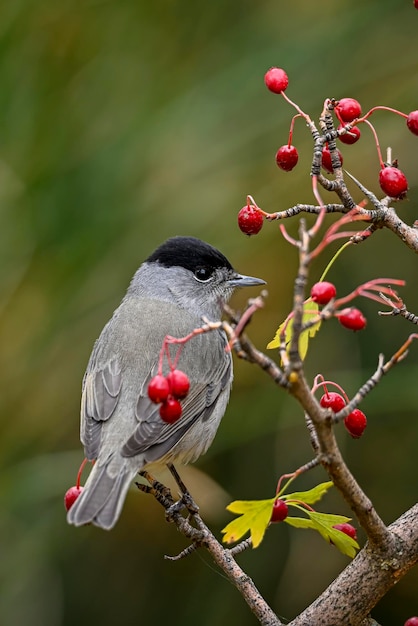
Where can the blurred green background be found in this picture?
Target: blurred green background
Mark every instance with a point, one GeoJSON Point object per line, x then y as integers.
{"type": "Point", "coordinates": [123, 123]}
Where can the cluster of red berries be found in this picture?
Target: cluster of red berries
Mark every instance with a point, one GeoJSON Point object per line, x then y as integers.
{"type": "Point", "coordinates": [277, 81]}
{"type": "Point", "coordinates": [392, 180]}
{"type": "Point", "coordinates": [350, 318]}
{"type": "Point", "coordinates": [355, 422]}
{"type": "Point", "coordinates": [347, 110]}
{"type": "Point", "coordinates": [167, 391]}
{"type": "Point", "coordinates": [164, 390]}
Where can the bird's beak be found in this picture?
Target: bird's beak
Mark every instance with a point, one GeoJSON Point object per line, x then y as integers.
{"type": "Point", "coordinates": [239, 280]}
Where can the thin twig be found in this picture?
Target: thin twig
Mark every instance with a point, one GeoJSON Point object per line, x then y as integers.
{"type": "Point", "coordinates": [202, 536]}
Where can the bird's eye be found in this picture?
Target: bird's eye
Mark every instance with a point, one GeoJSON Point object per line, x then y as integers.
{"type": "Point", "coordinates": [203, 274]}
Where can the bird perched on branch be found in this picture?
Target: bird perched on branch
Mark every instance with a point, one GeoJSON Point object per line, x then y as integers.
{"type": "Point", "coordinates": [183, 281]}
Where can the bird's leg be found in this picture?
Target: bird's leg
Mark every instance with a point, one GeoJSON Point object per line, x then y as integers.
{"type": "Point", "coordinates": [160, 492]}
{"type": "Point", "coordinates": [186, 500]}
{"type": "Point", "coordinates": [173, 509]}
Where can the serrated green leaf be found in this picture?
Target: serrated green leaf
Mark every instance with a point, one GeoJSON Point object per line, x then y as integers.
{"type": "Point", "coordinates": [324, 523]}
{"type": "Point", "coordinates": [311, 496]}
{"type": "Point", "coordinates": [345, 544]}
{"type": "Point", "coordinates": [310, 309]}
{"type": "Point", "coordinates": [255, 517]}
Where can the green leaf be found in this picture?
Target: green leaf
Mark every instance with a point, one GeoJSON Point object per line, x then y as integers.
{"type": "Point", "coordinates": [299, 522]}
{"type": "Point", "coordinates": [324, 523]}
{"type": "Point", "coordinates": [311, 496]}
{"type": "Point", "coordinates": [310, 309]}
{"type": "Point", "coordinates": [254, 517]}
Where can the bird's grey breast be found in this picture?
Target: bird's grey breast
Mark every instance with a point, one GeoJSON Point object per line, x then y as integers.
{"type": "Point", "coordinates": [123, 361]}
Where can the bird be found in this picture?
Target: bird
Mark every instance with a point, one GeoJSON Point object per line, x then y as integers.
{"type": "Point", "coordinates": [184, 281]}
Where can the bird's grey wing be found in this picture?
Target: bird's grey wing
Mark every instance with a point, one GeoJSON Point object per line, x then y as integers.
{"type": "Point", "coordinates": [155, 437]}
{"type": "Point", "coordinates": [101, 391]}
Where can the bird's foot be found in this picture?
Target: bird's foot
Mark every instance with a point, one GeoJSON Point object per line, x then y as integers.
{"type": "Point", "coordinates": [160, 492]}
{"type": "Point", "coordinates": [186, 501]}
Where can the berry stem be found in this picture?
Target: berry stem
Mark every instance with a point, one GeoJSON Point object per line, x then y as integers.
{"type": "Point", "coordinates": [181, 341]}
{"type": "Point", "coordinates": [301, 470]}
{"type": "Point", "coordinates": [318, 381]}
{"type": "Point", "coordinates": [299, 504]}
{"type": "Point", "coordinates": [381, 108]}
{"type": "Point", "coordinates": [80, 471]}
{"type": "Point", "coordinates": [376, 139]}
{"type": "Point", "coordinates": [364, 290]}
{"type": "Point", "coordinates": [298, 109]}
{"type": "Point", "coordinates": [256, 305]}
{"type": "Point", "coordinates": [292, 124]}
{"type": "Point", "coordinates": [327, 383]}
{"type": "Point", "coordinates": [279, 488]}
{"type": "Point", "coordinates": [317, 225]}
{"type": "Point", "coordinates": [286, 235]}
{"type": "Point", "coordinates": [251, 201]}
{"type": "Point", "coordinates": [334, 258]}
{"type": "Point", "coordinates": [332, 235]}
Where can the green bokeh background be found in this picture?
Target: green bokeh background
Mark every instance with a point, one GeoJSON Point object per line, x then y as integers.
{"type": "Point", "coordinates": [123, 123]}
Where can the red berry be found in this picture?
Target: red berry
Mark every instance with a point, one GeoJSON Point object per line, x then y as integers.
{"type": "Point", "coordinates": [332, 400]}
{"type": "Point", "coordinates": [348, 109]}
{"type": "Point", "coordinates": [352, 319]}
{"type": "Point", "coordinates": [287, 157]}
{"type": "Point", "coordinates": [348, 529]}
{"type": "Point", "coordinates": [250, 220]}
{"type": "Point", "coordinates": [276, 79]}
{"type": "Point", "coordinates": [280, 511]}
{"type": "Point", "coordinates": [393, 182]}
{"type": "Point", "coordinates": [412, 119]}
{"type": "Point", "coordinates": [170, 410]}
{"type": "Point", "coordinates": [323, 292]}
{"type": "Point", "coordinates": [350, 137]}
{"type": "Point", "coordinates": [355, 423]}
{"type": "Point", "coordinates": [416, 6]}
{"type": "Point", "coordinates": [326, 159]}
{"type": "Point", "coordinates": [71, 496]}
{"type": "Point", "coordinates": [179, 384]}
{"type": "Point", "coordinates": [412, 621]}
{"type": "Point", "coordinates": [158, 389]}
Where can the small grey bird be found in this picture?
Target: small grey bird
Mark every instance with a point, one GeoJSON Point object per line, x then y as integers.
{"type": "Point", "coordinates": [184, 280]}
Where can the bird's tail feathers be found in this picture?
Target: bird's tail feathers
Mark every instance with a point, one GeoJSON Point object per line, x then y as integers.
{"type": "Point", "coordinates": [102, 498]}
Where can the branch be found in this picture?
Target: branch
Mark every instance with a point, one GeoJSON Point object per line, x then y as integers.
{"type": "Point", "coordinates": [386, 216]}
{"type": "Point", "coordinates": [305, 208]}
{"type": "Point", "coordinates": [332, 460]}
{"type": "Point", "coordinates": [199, 534]}
{"type": "Point", "coordinates": [347, 600]}
{"type": "Point", "coordinates": [352, 595]}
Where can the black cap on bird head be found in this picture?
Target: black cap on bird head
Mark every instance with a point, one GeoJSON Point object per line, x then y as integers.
{"type": "Point", "coordinates": [190, 253]}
